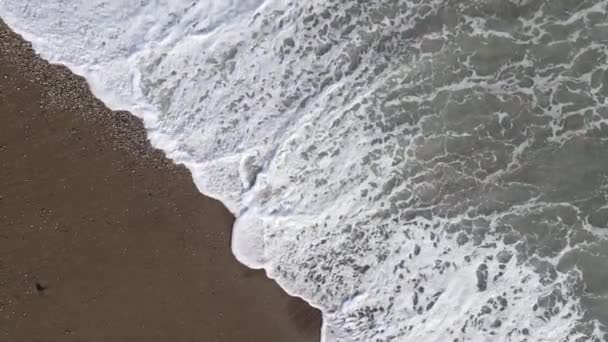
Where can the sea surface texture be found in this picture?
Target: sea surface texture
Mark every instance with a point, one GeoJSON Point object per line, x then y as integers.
{"type": "Point", "coordinates": [420, 170]}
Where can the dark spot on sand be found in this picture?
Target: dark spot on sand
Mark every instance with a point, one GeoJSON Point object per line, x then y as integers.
{"type": "Point", "coordinates": [40, 288]}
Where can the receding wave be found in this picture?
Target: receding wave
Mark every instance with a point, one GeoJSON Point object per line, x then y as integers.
{"type": "Point", "coordinates": [416, 169]}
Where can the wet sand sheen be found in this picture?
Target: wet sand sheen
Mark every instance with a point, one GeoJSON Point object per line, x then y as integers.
{"type": "Point", "coordinates": [103, 239]}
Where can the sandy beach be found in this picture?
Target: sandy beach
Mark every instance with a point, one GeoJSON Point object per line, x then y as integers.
{"type": "Point", "coordinates": [104, 239]}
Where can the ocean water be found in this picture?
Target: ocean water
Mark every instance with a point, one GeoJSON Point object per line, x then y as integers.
{"type": "Point", "coordinates": [419, 170]}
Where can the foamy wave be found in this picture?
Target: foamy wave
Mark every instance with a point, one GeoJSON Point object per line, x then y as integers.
{"type": "Point", "coordinates": [434, 170]}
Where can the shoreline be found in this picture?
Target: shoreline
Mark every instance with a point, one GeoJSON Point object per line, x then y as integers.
{"type": "Point", "coordinates": [113, 224]}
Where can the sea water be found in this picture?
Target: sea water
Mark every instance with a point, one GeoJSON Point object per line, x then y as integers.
{"type": "Point", "coordinates": [429, 170]}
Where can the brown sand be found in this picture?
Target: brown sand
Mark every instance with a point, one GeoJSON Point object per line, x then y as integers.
{"type": "Point", "coordinates": [103, 239]}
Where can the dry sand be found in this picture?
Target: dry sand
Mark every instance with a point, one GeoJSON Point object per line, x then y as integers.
{"type": "Point", "coordinates": [103, 239]}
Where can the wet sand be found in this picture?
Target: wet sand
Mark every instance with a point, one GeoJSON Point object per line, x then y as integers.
{"type": "Point", "coordinates": [103, 239]}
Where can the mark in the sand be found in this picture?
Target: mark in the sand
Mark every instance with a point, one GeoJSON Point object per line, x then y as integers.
{"type": "Point", "coordinates": [41, 288]}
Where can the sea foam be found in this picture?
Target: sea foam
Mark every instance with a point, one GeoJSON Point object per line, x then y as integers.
{"type": "Point", "coordinates": [416, 169]}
